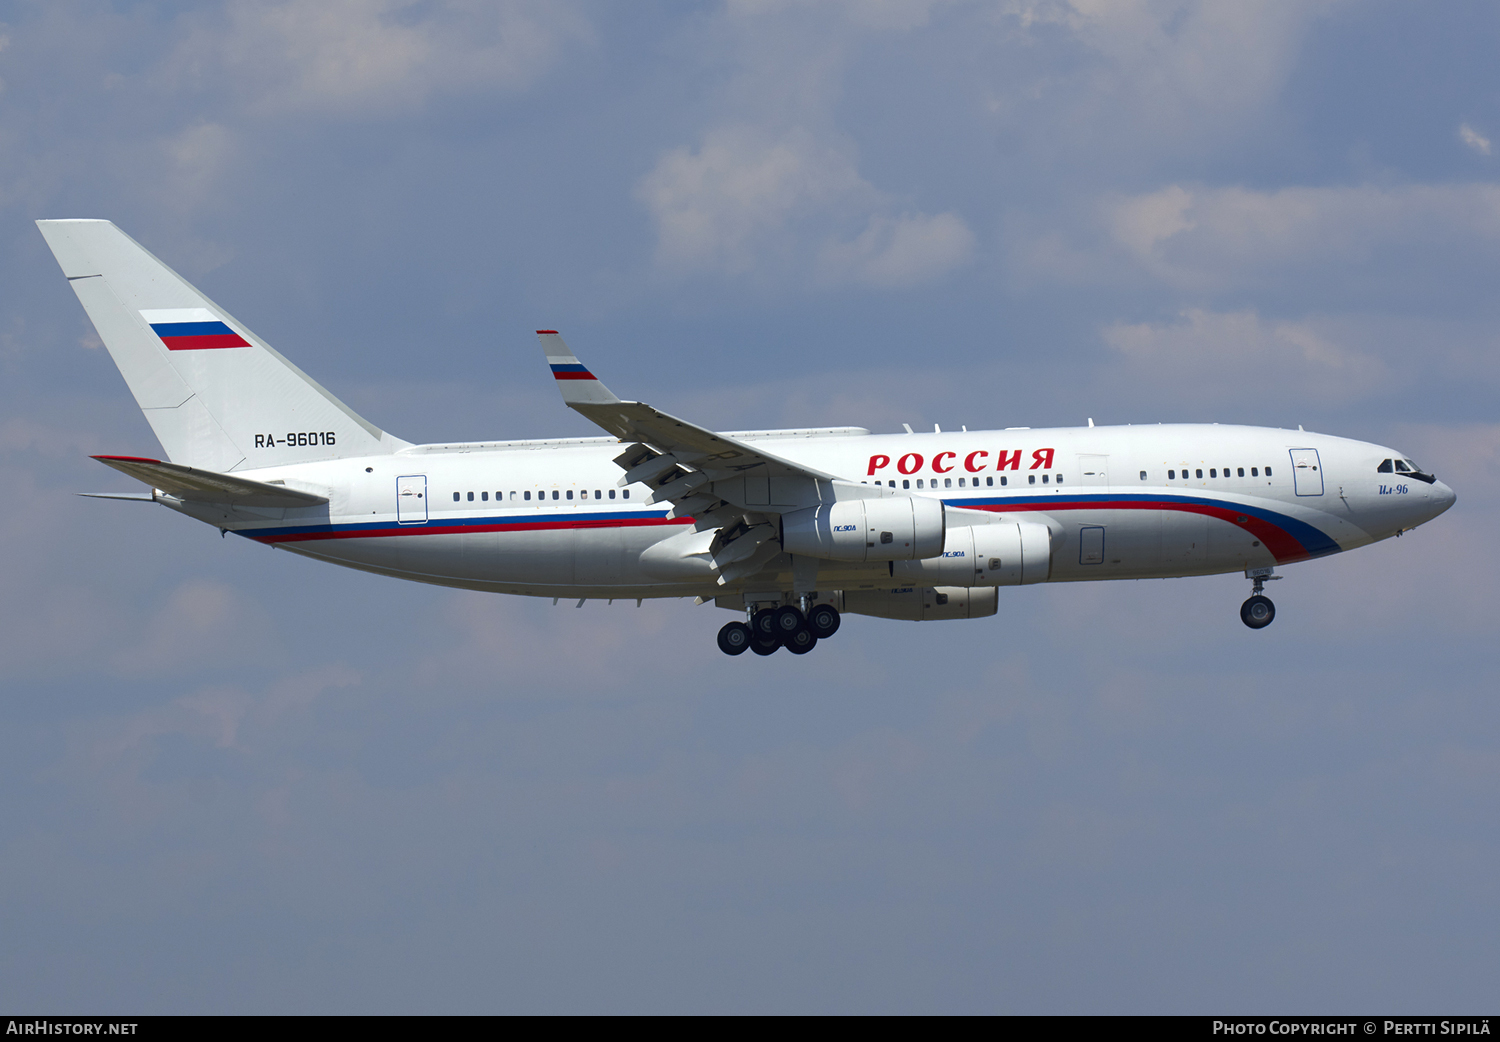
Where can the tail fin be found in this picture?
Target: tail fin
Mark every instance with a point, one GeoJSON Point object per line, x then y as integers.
{"type": "Point", "coordinates": [217, 396]}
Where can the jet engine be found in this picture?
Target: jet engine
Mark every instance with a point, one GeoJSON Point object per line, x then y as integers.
{"type": "Point", "coordinates": [984, 555]}
{"type": "Point", "coordinates": [902, 528]}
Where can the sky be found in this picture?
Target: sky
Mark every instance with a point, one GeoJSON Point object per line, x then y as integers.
{"type": "Point", "coordinates": [233, 780]}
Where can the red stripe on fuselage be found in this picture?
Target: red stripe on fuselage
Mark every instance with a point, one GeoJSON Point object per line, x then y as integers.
{"type": "Point", "coordinates": [429, 529]}
{"type": "Point", "coordinates": [1285, 547]}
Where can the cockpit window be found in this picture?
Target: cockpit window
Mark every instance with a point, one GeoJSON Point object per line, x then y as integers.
{"type": "Point", "coordinates": [1402, 468]}
{"type": "Point", "coordinates": [1384, 468]}
{"type": "Point", "coordinates": [1413, 465]}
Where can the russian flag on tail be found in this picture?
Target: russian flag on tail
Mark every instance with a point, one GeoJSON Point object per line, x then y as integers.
{"type": "Point", "coordinates": [191, 329]}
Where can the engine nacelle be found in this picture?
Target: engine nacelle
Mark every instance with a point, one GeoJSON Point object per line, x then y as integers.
{"type": "Point", "coordinates": [985, 555]}
{"type": "Point", "coordinates": [897, 529]}
{"type": "Point", "coordinates": [923, 603]}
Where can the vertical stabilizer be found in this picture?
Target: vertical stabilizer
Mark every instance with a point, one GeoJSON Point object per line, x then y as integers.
{"type": "Point", "coordinates": [217, 396]}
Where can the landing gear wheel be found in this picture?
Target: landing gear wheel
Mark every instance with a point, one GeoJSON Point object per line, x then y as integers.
{"type": "Point", "coordinates": [734, 638]}
{"type": "Point", "coordinates": [823, 620]}
{"type": "Point", "coordinates": [800, 641]}
{"type": "Point", "coordinates": [762, 646]}
{"type": "Point", "coordinates": [1258, 612]}
{"type": "Point", "coordinates": [787, 620]}
{"type": "Point", "coordinates": [763, 625]}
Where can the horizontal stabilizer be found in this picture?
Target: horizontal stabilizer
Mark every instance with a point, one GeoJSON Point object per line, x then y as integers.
{"type": "Point", "coordinates": [132, 497]}
{"type": "Point", "coordinates": [207, 486]}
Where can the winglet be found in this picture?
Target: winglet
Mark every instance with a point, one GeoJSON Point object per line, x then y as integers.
{"type": "Point", "coordinates": [577, 384]}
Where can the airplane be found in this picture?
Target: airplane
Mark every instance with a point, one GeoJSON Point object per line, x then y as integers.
{"type": "Point", "coordinates": [792, 529]}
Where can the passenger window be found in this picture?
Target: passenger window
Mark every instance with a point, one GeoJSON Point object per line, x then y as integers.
{"type": "Point", "coordinates": [570, 493]}
{"type": "Point", "coordinates": [1384, 468]}
{"type": "Point", "coordinates": [626, 494]}
{"type": "Point", "coordinates": [455, 497]}
{"type": "Point", "coordinates": [484, 496]}
{"type": "Point", "coordinates": [1004, 480]}
{"type": "Point", "coordinates": [611, 493]}
{"type": "Point", "coordinates": [1059, 479]}
{"type": "Point", "coordinates": [1200, 472]}
{"type": "Point", "coordinates": [892, 484]}
{"type": "Point", "coordinates": [1255, 472]}
{"type": "Point", "coordinates": [990, 482]}
{"type": "Point", "coordinates": [1143, 475]}
{"type": "Point", "coordinates": [906, 484]}
{"type": "Point", "coordinates": [1212, 472]}
{"type": "Point", "coordinates": [947, 482]}
{"type": "Point", "coordinates": [960, 482]}
{"type": "Point", "coordinates": [1268, 472]}
{"type": "Point", "coordinates": [1045, 477]}
{"type": "Point", "coordinates": [1171, 475]}
{"type": "Point", "coordinates": [526, 496]}
{"type": "Point", "coordinates": [1031, 479]}
{"type": "Point", "coordinates": [554, 493]}
{"type": "Point", "coordinates": [1242, 472]}
{"type": "Point", "coordinates": [584, 494]}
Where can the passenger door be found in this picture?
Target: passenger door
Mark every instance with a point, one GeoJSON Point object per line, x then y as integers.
{"type": "Point", "coordinates": [1307, 472]}
{"type": "Point", "coordinates": [411, 499]}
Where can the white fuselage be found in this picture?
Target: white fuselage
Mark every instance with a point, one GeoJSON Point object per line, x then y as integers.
{"type": "Point", "coordinates": [546, 518]}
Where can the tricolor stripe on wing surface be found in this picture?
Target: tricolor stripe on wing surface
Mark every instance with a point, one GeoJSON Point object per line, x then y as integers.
{"type": "Point", "coordinates": [571, 370]}
{"type": "Point", "coordinates": [191, 329]}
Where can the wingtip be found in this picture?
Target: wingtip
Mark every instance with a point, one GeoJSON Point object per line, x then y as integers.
{"type": "Point", "coordinates": [546, 332]}
{"type": "Point", "coordinates": [125, 459]}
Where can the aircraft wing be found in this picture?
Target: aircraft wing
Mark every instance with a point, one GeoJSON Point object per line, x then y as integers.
{"type": "Point", "coordinates": [720, 482]}
{"type": "Point", "coordinates": [208, 486]}
{"type": "Point", "coordinates": [698, 456]}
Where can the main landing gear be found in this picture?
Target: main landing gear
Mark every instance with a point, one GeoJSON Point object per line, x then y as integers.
{"type": "Point", "coordinates": [785, 627]}
{"type": "Point", "coordinates": [1258, 612]}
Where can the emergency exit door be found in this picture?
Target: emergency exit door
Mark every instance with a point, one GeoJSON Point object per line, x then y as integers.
{"type": "Point", "coordinates": [1093, 470]}
{"type": "Point", "coordinates": [1091, 544]}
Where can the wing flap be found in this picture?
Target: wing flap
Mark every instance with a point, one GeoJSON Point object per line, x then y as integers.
{"type": "Point", "coordinates": [208, 486]}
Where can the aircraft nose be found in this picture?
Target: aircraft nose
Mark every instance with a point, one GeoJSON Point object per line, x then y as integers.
{"type": "Point", "coordinates": [1443, 497]}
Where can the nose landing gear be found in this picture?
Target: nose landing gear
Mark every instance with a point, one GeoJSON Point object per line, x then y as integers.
{"type": "Point", "coordinates": [1258, 612]}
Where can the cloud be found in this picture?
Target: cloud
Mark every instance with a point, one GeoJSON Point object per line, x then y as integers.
{"type": "Point", "coordinates": [1474, 139]}
{"type": "Point", "coordinates": [1218, 356]}
{"type": "Point", "coordinates": [196, 157]}
{"type": "Point", "coordinates": [1205, 238]}
{"type": "Point", "coordinates": [746, 202]}
{"type": "Point", "coordinates": [1172, 65]}
{"type": "Point", "coordinates": [347, 56]}
{"type": "Point", "coordinates": [724, 204]}
{"type": "Point", "coordinates": [202, 623]}
{"type": "Point", "coordinates": [903, 251]}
